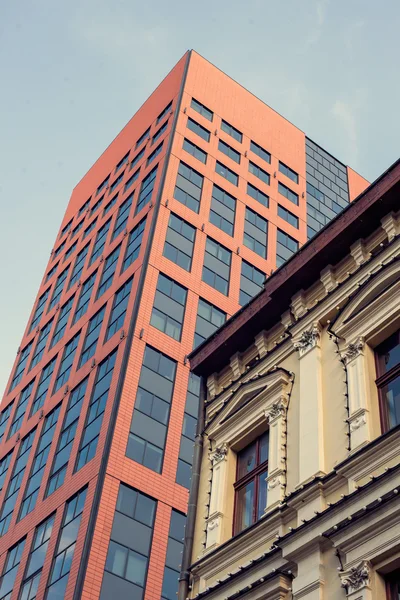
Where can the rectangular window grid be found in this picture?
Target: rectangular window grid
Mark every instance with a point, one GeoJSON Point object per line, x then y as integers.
{"type": "Point", "coordinates": [66, 362]}
{"type": "Point", "coordinates": [146, 190]}
{"type": "Point", "coordinates": [232, 131]}
{"type": "Point", "coordinates": [154, 154]}
{"type": "Point", "coordinates": [103, 185]}
{"type": "Point", "coordinates": [251, 282]}
{"type": "Point", "coordinates": [184, 471]}
{"type": "Point", "coordinates": [179, 242]}
{"type": "Point", "coordinates": [217, 264]}
{"type": "Point", "coordinates": [198, 129]}
{"type": "Point", "coordinates": [66, 228]}
{"type": "Point", "coordinates": [264, 154]}
{"type": "Point", "coordinates": [116, 183]}
{"type": "Point", "coordinates": [285, 247]}
{"type": "Point", "coordinates": [4, 464]}
{"type": "Point", "coordinates": [288, 172]}
{"type": "Point", "coordinates": [58, 289]}
{"type": "Point", "coordinates": [110, 265]}
{"type": "Point", "coordinates": [78, 267]}
{"type": "Point", "coordinates": [229, 151]}
{"type": "Point", "coordinates": [51, 272]}
{"type": "Point", "coordinates": [209, 319]}
{"type": "Point", "coordinates": [202, 110]}
{"type": "Point", "coordinates": [159, 133]}
{"type": "Point", "coordinates": [195, 151]}
{"type": "Point", "coordinates": [100, 242]}
{"type": "Point", "coordinates": [39, 463]}
{"type": "Point", "coordinates": [97, 205]}
{"type": "Point", "coordinates": [122, 217]}
{"type": "Point", "coordinates": [41, 344]}
{"type": "Point", "coordinates": [36, 558]}
{"type": "Point", "coordinates": [89, 229]}
{"type": "Point", "coordinates": [110, 204]}
{"type": "Point", "coordinates": [283, 213]}
{"type": "Point", "coordinates": [66, 438]}
{"type": "Point", "coordinates": [4, 417]}
{"type": "Point", "coordinates": [169, 307]}
{"type": "Point", "coordinates": [21, 408]}
{"type": "Point", "coordinates": [255, 232]}
{"type": "Point", "coordinates": [287, 193]}
{"type": "Point", "coordinates": [258, 172]}
{"type": "Point", "coordinates": [189, 184]}
{"type": "Point", "coordinates": [226, 173]}
{"type": "Point", "coordinates": [77, 229]}
{"type": "Point", "coordinates": [92, 336]}
{"type": "Point", "coordinates": [21, 364]}
{"type": "Point", "coordinates": [70, 251]}
{"type": "Point", "coordinates": [174, 556]}
{"type": "Point", "coordinates": [151, 413]}
{"type": "Point", "coordinates": [10, 498]}
{"type": "Point", "coordinates": [258, 195]}
{"type": "Point", "coordinates": [84, 207]}
{"type": "Point", "coordinates": [134, 243]}
{"type": "Point", "coordinates": [43, 386]}
{"type": "Point", "coordinates": [39, 309]}
{"type": "Point", "coordinates": [10, 570]}
{"type": "Point", "coordinates": [63, 317]}
{"type": "Point", "coordinates": [64, 554]}
{"type": "Point", "coordinates": [84, 297]}
{"type": "Point", "coordinates": [143, 137]}
{"type": "Point", "coordinates": [164, 112]}
{"type": "Point", "coordinates": [118, 312]}
{"type": "Point", "coordinates": [136, 159]}
{"type": "Point", "coordinates": [97, 405]}
{"type": "Point", "coordinates": [59, 249]}
{"type": "Point", "coordinates": [222, 211]}
{"type": "Point", "coordinates": [122, 162]}
{"type": "Point", "coordinates": [132, 180]}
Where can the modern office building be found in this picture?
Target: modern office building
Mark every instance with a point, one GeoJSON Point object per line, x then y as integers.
{"type": "Point", "coordinates": [296, 469]}
{"type": "Point", "coordinates": [198, 199]}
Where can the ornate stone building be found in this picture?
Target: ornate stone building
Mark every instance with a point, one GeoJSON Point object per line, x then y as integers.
{"type": "Point", "coordinates": [296, 472]}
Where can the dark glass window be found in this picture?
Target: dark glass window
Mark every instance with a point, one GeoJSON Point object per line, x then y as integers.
{"type": "Point", "coordinates": [154, 154]}
{"type": "Point", "coordinates": [226, 173]}
{"type": "Point", "coordinates": [110, 265]}
{"type": "Point", "coordinates": [4, 416]}
{"type": "Point", "coordinates": [179, 242]}
{"type": "Point", "coordinates": [14, 485]}
{"type": "Point", "coordinates": [259, 172]}
{"type": "Point", "coordinates": [39, 309]}
{"type": "Point", "coordinates": [388, 381]}
{"type": "Point", "coordinates": [151, 414]}
{"type": "Point", "coordinates": [169, 307]}
{"type": "Point", "coordinates": [103, 185]}
{"type": "Point", "coordinates": [4, 464]}
{"type": "Point", "coordinates": [143, 137]}
{"type": "Point", "coordinates": [122, 217]}
{"type": "Point", "coordinates": [84, 207]}
{"type": "Point", "coordinates": [255, 232]}
{"type": "Point", "coordinates": [21, 364]}
{"type": "Point", "coordinates": [66, 438]}
{"type": "Point", "coordinates": [36, 558]}
{"type": "Point", "coordinates": [136, 159]}
{"type": "Point", "coordinates": [90, 228]}
{"type": "Point", "coordinates": [100, 242]}
{"type": "Point", "coordinates": [184, 470]}
{"type": "Point", "coordinates": [146, 190]}
{"type": "Point", "coordinates": [285, 191]}
{"type": "Point", "coordinates": [222, 211]}
{"type": "Point", "coordinates": [84, 297]}
{"type": "Point", "coordinates": [229, 151]}
{"type": "Point", "coordinates": [195, 151]}
{"type": "Point", "coordinates": [198, 129]}
{"type": "Point", "coordinates": [122, 162]}
{"type": "Point", "coordinates": [116, 183]}
{"type": "Point", "coordinates": [61, 325]}
{"type": "Point", "coordinates": [70, 251]}
{"type": "Point", "coordinates": [288, 172]}
{"type": "Point", "coordinates": [97, 405]}
{"type": "Point", "coordinates": [66, 228]}
{"type": "Point", "coordinates": [132, 179]}
{"type": "Point", "coordinates": [78, 267]}
{"type": "Point", "coordinates": [209, 319]}
{"type": "Point", "coordinates": [58, 289]}
{"type": "Point", "coordinates": [159, 133]}
{"type": "Point", "coordinates": [251, 485]}
{"type": "Point", "coordinates": [288, 216]}
{"type": "Point", "coordinates": [393, 585]}
{"type": "Point", "coordinates": [59, 249]}
{"type": "Point", "coordinates": [174, 556]}
{"type": "Point", "coordinates": [285, 247]}
{"type": "Point", "coordinates": [66, 363]}
{"type": "Point", "coordinates": [77, 229]}
{"type": "Point", "coordinates": [130, 544]}
{"type": "Point", "coordinates": [51, 272]}
{"type": "Point", "coordinates": [189, 184]}
{"type": "Point", "coordinates": [134, 243]}
{"type": "Point", "coordinates": [118, 312]}
{"type": "Point", "coordinates": [251, 282]}
{"type": "Point", "coordinates": [164, 112]}
{"type": "Point", "coordinates": [96, 206]}
{"type": "Point", "coordinates": [217, 264]}
{"type": "Point", "coordinates": [264, 154]}
{"type": "Point", "coordinates": [20, 411]}
{"type": "Point", "coordinates": [110, 204]}
{"type": "Point", "coordinates": [41, 344]}
{"type": "Point", "coordinates": [43, 386]}
{"type": "Point", "coordinates": [62, 561]}
{"type": "Point", "coordinates": [10, 570]}
{"type": "Point", "coordinates": [39, 463]}
{"type": "Point", "coordinates": [257, 195]}
{"type": "Point", "coordinates": [92, 336]}
{"type": "Point", "coordinates": [232, 131]}
{"type": "Point", "coordinates": [201, 109]}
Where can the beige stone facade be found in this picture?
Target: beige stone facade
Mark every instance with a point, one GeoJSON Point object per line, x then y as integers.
{"type": "Point", "coordinates": [330, 526]}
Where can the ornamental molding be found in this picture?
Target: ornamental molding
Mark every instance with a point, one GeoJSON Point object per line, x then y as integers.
{"type": "Point", "coordinates": [275, 482]}
{"type": "Point", "coordinates": [357, 423]}
{"type": "Point", "coordinates": [219, 454]}
{"type": "Point", "coordinates": [213, 524]}
{"type": "Point", "coordinates": [354, 350]}
{"type": "Point", "coordinates": [308, 340]}
{"type": "Point", "coordinates": [277, 409]}
{"type": "Point", "coordinates": [357, 577]}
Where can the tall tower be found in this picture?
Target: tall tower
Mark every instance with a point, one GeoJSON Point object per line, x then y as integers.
{"type": "Point", "coordinates": [175, 227]}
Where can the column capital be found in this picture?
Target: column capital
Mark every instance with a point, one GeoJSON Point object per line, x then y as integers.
{"type": "Point", "coordinates": [277, 409]}
{"type": "Point", "coordinates": [219, 454]}
{"type": "Point", "coordinates": [353, 350]}
{"type": "Point", "coordinates": [356, 578]}
{"type": "Point", "coordinates": [308, 340]}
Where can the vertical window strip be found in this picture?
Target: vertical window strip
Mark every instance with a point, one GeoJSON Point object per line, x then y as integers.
{"type": "Point", "coordinates": [10, 570]}
{"type": "Point", "coordinates": [41, 344]}
{"type": "Point", "coordinates": [43, 386]}
{"type": "Point", "coordinates": [118, 312]}
{"type": "Point", "coordinates": [61, 325]}
{"type": "Point", "coordinates": [100, 242]}
{"type": "Point", "coordinates": [184, 470]}
{"type": "Point", "coordinates": [21, 408]}
{"type": "Point", "coordinates": [39, 309]}
{"type": "Point", "coordinates": [36, 558]}
{"type": "Point", "coordinates": [92, 336]}
{"type": "Point", "coordinates": [78, 267]}
{"type": "Point", "coordinates": [134, 244]}
{"type": "Point", "coordinates": [110, 265]}
{"type": "Point", "coordinates": [21, 364]}
{"type": "Point", "coordinates": [84, 297]}
{"type": "Point", "coordinates": [58, 289]}
{"type": "Point", "coordinates": [66, 362]}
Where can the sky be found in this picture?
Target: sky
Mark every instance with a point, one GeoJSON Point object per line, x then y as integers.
{"type": "Point", "coordinates": [73, 73]}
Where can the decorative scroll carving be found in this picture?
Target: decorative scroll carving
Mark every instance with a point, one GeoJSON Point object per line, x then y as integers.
{"type": "Point", "coordinates": [353, 350]}
{"type": "Point", "coordinates": [277, 409]}
{"type": "Point", "coordinates": [308, 340]}
{"type": "Point", "coordinates": [219, 454]}
{"type": "Point", "coordinates": [274, 482]}
{"type": "Point", "coordinates": [213, 524]}
{"type": "Point", "coordinates": [356, 577]}
{"type": "Point", "coordinates": [357, 423]}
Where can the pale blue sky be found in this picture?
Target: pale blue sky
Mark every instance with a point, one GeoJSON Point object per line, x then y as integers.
{"type": "Point", "coordinates": [73, 73]}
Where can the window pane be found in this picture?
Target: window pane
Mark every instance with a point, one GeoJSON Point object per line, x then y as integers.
{"type": "Point", "coordinates": [391, 393]}
{"type": "Point", "coordinates": [116, 559]}
{"type": "Point", "coordinates": [264, 446]}
{"type": "Point", "coordinates": [246, 460]}
{"type": "Point", "coordinates": [244, 506]}
{"type": "Point", "coordinates": [262, 494]}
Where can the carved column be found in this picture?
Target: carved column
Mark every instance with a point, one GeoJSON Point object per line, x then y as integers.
{"type": "Point", "coordinates": [218, 460]}
{"type": "Point", "coordinates": [357, 581]}
{"type": "Point", "coordinates": [311, 435]}
{"type": "Point", "coordinates": [358, 391]}
{"type": "Point", "coordinates": [276, 479]}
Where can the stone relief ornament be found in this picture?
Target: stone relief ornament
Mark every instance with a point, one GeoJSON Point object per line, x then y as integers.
{"type": "Point", "coordinates": [308, 340]}
{"type": "Point", "coordinates": [357, 423]}
{"type": "Point", "coordinates": [353, 350]}
{"type": "Point", "coordinates": [212, 524]}
{"type": "Point", "coordinates": [277, 409]}
{"type": "Point", "coordinates": [274, 482]}
{"type": "Point", "coordinates": [356, 577]}
{"type": "Point", "coordinates": [219, 454]}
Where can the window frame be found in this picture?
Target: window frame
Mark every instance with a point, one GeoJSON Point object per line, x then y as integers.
{"type": "Point", "coordinates": [385, 377]}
